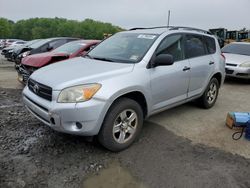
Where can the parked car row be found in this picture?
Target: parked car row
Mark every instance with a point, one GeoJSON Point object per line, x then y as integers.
{"type": "Point", "coordinates": [30, 63]}
{"type": "Point", "coordinates": [4, 43]}
{"type": "Point", "coordinates": [41, 52]}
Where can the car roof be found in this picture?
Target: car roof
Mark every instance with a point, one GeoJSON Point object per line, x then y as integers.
{"type": "Point", "coordinates": [247, 43]}
{"type": "Point", "coordinates": [171, 29]}
{"type": "Point", "coordinates": [84, 41]}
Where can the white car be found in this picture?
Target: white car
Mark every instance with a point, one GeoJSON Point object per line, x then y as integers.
{"type": "Point", "coordinates": [237, 59]}
{"type": "Point", "coordinates": [18, 43]}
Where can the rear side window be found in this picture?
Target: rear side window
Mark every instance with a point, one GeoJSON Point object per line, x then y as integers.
{"type": "Point", "coordinates": [210, 42]}
{"type": "Point", "coordinates": [57, 43]}
{"type": "Point", "coordinates": [172, 45]}
{"type": "Point", "coordinates": [194, 46]}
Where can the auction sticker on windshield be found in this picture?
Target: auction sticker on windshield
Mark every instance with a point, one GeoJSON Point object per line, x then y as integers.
{"type": "Point", "coordinates": [146, 36]}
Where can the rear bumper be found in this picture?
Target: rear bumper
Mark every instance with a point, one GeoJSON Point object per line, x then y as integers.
{"type": "Point", "coordinates": [65, 117]}
{"type": "Point", "coordinates": [238, 72]}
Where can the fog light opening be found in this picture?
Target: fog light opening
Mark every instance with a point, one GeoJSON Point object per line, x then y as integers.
{"type": "Point", "coordinates": [78, 125]}
{"type": "Point", "coordinates": [52, 120]}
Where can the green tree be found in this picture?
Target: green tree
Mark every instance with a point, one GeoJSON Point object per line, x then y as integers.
{"type": "Point", "coordinates": [5, 28]}
{"type": "Point", "coordinates": [55, 27]}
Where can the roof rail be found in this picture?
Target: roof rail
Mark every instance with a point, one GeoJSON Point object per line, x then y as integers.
{"type": "Point", "coordinates": [174, 28]}
{"type": "Point", "coordinates": [190, 28]}
{"type": "Point", "coordinates": [138, 28]}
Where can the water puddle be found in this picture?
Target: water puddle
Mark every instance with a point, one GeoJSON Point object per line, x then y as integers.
{"type": "Point", "coordinates": [114, 176]}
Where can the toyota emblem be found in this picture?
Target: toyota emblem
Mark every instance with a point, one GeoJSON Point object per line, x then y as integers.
{"type": "Point", "coordinates": [36, 88]}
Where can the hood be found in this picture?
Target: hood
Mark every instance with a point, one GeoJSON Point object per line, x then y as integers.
{"type": "Point", "coordinates": [42, 59]}
{"type": "Point", "coordinates": [236, 58]}
{"type": "Point", "coordinates": [79, 71]}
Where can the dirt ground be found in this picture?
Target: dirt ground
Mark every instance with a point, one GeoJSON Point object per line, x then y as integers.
{"type": "Point", "coordinates": [182, 147]}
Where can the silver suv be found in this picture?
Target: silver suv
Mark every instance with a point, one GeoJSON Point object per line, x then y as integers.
{"type": "Point", "coordinates": [125, 79]}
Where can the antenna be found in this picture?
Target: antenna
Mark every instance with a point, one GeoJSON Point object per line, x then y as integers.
{"type": "Point", "coordinates": [168, 18]}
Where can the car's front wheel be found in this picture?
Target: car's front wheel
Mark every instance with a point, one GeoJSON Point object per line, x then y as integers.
{"type": "Point", "coordinates": [121, 125]}
{"type": "Point", "coordinates": [210, 95]}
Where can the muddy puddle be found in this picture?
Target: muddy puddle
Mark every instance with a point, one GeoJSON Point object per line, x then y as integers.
{"type": "Point", "coordinates": [115, 176]}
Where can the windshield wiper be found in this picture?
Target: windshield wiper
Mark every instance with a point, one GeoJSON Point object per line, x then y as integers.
{"type": "Point", "coordinates": [87, 55]}
{"type": "Point", "coordinates": [102, 59]}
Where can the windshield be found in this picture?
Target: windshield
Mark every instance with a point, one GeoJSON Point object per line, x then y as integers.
{"type": "Point", "coordinates": [241, 49]}
{"type": "Point", "coordinates": [70, 47]}
{"type": "Point", "coordinates": [31, 42]}
{"type": "Point", "coordinates": [123, 47]}
{"type": "Point", "coordinates": [39, 43]}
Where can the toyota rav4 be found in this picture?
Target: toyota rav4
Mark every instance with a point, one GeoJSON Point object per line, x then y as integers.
{"type": "Point", "coordinates": [125, 79]}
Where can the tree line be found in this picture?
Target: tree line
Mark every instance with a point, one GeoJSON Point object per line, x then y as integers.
{"type": "Point", "coordinates": [35, 28]}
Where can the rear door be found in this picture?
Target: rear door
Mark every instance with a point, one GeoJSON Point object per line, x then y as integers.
{"type": "Point", "coordinates": [169, 84]}
{"type": "Point", "coordinates": [202, 63]}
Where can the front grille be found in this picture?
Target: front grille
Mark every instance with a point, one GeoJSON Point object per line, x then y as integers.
{"type": "Point", "coordinates": [229, 71]}
{"type": "Point", "coordinates": [40, 89]}
{"type": "Point", "coordinates": [232, 65]}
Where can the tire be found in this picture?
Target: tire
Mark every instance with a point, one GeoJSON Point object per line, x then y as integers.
{"type": "Point", "coordinates": [118, 120]}
{"type": "Point", "coordinates": [205, 100]}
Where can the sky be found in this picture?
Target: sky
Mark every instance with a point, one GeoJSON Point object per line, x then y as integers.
{"type": "Point", "coordinates": [204, 14]}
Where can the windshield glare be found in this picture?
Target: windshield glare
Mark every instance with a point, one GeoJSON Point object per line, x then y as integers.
{"type": "Point", "coordinates": [124, 47]}
{"type": "Point", "coordinates": [31, 42]}
{"type": "Point", "coordinates": [39, 43]}
{"type": "Point", "coordinates": [70, 47]}
{"type": "Point", "coordinates": [241, 49]}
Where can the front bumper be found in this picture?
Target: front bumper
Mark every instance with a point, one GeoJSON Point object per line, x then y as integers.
{"type": "Point", "coordinates": [65, 117]}
{"type": "Point", "coordinates": [238, 72]}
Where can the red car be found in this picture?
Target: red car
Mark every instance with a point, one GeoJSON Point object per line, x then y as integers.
{"type": "Point", "coordinates": [69, 50]}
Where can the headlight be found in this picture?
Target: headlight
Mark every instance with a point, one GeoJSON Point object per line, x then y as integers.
{"type": "Point", "coordinates": [11, 51]}
{"type": "Point", "coordinates": [25, 53]}
{"type": "Point", "coordinates": [246, 64]}
{"type": "Point", "coordinates": [79, 93]}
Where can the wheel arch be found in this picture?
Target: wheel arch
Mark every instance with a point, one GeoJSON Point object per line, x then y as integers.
{"type": "Point", "coordinates": [218, 76]}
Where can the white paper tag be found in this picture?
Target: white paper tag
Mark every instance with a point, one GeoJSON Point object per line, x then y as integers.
{"type": "Point", "coordinates": [134, 57]}
{"type": "Point", "coordinates": [151, 37]}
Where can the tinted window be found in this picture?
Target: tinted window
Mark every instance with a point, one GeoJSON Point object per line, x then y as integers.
{"type": "Point", "coordinates": [57, 43]}
{"type": "Point", "coordinates": [210, 43]}
{"type": "Point", "coordinates": [172, 45]}
{"type": "Point", "coordinates": [236, 48]}
{"type": "Point", "coordinates": [194, 46]}
{"type": "Point", "coordinates": [44, 48]}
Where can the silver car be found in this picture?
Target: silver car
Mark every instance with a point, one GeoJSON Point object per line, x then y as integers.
{"type": "Point", "coordinates": [125, 79]}
{"type": "Point", "coordinates": [237, 59]}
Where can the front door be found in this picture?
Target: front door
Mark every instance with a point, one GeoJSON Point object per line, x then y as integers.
{"type": "Point", "coordinates": [169, 84]}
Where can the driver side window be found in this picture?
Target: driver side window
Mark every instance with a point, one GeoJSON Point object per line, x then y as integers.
{"type": "Point", "coordinates": [172, 45]}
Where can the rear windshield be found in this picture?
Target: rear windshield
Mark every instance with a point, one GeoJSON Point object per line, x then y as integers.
{"type": "Point", "coordinates": [241, 49]}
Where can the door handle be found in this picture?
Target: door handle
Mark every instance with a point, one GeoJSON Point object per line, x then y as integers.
{"type": "Point", "coordinates": [211, 63]}
{"type": "Point", "coordinates": [186, 68]}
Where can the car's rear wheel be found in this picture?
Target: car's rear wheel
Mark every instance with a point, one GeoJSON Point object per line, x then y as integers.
{"type": "Point", "coordinates": [209, 97]}
{"type": "Point", "coordinates": [122, 125]}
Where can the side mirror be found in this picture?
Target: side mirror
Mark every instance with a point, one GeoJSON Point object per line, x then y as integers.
{"type": "Point", "coordinates": [163, 60]}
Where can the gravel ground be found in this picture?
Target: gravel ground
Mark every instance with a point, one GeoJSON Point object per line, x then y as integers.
{"type": "Point", "coordinates": [32, 155]}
